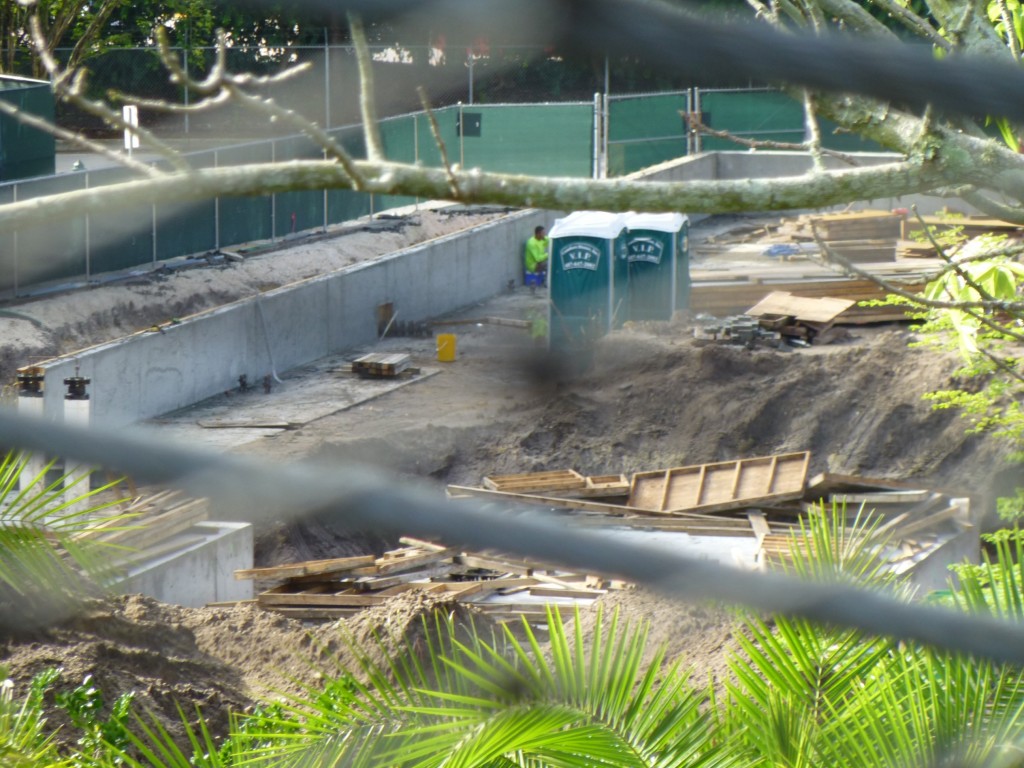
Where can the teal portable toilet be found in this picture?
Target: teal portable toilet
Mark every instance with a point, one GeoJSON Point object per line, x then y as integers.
{"type": "Point", "coordinates": [588, 276]}
{"type": "Point", "coordinates": [658, 263]}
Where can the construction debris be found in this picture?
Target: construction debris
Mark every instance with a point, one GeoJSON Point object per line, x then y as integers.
{"type": "Point", "coordinates": [799, 317]}
{"type": "Point", "coordinates": [763, 499]}
{"type": "Point", "coordinates": [503, 587]}
{"type": "Point", "coordinates": [755, 506]}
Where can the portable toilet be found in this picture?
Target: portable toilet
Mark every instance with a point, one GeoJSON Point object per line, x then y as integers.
{"type": "Point", "coordinates": [658, 263]}
{"type": "Point", "coordinates": [588, 277]}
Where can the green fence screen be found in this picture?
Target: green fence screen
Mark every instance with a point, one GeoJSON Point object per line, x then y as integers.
{"type": "Point", "coordinates": [537, 139]}
{"type": "Point", "coordinates": [645, 130]}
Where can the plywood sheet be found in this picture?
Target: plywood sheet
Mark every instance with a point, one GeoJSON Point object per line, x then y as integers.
{"type": "Point", "coordinates": [722, 485]}
{"type": "Point", "coordinates": [812, 310]}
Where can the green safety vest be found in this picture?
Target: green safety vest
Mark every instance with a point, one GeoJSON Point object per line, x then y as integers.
{"type": "Point", "coordinates": [536, 252]}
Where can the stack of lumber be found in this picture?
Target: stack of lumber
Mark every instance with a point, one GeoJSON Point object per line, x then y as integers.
{"type": "Point", "coordinates": [381, 365]}
{"type": "Point", "coordinates": [857, 225]}
{"type": "Point", "coordinates": [733, 296]}
{"type": "Point", "coordinates": [149, 526]}
{"type": "Point", "coordinates": [336, 588]}
{"type": "Point", "coordinates": [859, 236]}
{"type": "Point", "coordinates": [968, 226]}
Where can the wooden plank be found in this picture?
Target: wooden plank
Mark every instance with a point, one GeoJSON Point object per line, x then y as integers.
{"type": "Point", "coordinates": [307, 568]}
{"type": "Point", "coordinates": [552, 591]}
{"type": "Point", "coordinates": [820, 486]}
{"type": "Point", "coordinates": [313, 613]}
{"type": "Point", "coordinates": [759, 525]}
{"type": "Point", "coordinates": [314, 599]}
{"type": "Point", "coordinates": [552, 501]}
{"type": "Point", "coordinates": [880, 497]}
{"type": "Point", "coordinates": [430, 546]}
{"type": "Point", "coordinates": [925, 523]}
{"type": "Point", "coordinates": [396, 565]}
{"type": "Point", "coordinates": [815, 310]}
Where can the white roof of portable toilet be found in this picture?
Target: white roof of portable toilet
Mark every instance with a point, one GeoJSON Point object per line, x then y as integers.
{"type": "Point", "coordinates": [658, 222]}
{"type": "Point", "coordinates": [589, 224]}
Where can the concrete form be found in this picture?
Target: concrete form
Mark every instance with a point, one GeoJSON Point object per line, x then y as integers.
{"type": "Point", "coordinates": [199, 572]}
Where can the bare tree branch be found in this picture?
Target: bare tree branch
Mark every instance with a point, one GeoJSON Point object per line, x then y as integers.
{"type": "Point", "coordinates": [913, 22]}
{"type": "Point", "coordinates": [71, 87]}
{"type": "Point", "coordinates": [435, 131]}
{"type": "Point", "coordinates": [78, 140]}
{"type": "Point", "coordinates": [367, 105]}
{"type": "Point", "coordinates": [475, 186]}
{"type": "Point", "coordinates": [694, 123]}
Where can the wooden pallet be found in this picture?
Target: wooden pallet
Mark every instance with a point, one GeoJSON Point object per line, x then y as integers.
{"type": "Point", "coordinates": [722, 485]}
{"type": "Point", "coordinates": [381, 365]}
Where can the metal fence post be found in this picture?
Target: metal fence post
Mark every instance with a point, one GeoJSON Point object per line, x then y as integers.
{"type": "Point", "coordinates": [216, 207]}
{"type": "Point", "coordinates": [273, 196]}
{"type": "Point", "coordinates": [14, 244]}
{"type": "Point", "coordinates": [88, 245]}
{"type": "Point", "coordinates": [596, 171]}
{"type": "Point", "coordinates": [327, 84]}
{"type": "Point", "coordinates": [153, 209]}
{"type": "Point", "coordinates": [462, 139]}
{"type": "Point", "coordinates": [697, 143]}
{"type": "Point", "coordinates": [469, 61]}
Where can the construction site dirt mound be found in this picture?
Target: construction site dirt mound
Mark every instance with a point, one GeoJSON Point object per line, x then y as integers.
{"type": "Point", "coordinates": [652, 401]}
{"type": "Point", "coordinates": [219, 660]}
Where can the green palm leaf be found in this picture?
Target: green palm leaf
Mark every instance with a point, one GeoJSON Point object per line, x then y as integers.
{"type": "Point", "coordinates": [46, 567]}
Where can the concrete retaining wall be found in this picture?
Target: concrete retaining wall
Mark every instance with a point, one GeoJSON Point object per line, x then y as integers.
{"type": "Point", "coordinates": [201, 573]}
{"type": "Point", "coordinates": [152, 373]}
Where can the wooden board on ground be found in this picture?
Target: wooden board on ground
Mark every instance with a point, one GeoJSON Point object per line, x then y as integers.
{"type": "Point", "coordinates": [814, 310]}
{"type": "Point", "coordinates": [307, 568]}
{"type": "Point", "coordinates": [564, 483]}
{"type": "Point", "coordinates": [722, 485]}
{"type": "Point", "coordinates": [536, 482]}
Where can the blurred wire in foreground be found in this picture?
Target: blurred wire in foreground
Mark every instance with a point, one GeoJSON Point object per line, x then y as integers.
{"type": "Point", "coordinates": [364, 498]}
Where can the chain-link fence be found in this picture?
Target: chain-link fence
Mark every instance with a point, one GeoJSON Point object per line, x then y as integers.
{"type": "Point", "coordinates": [327, 91]}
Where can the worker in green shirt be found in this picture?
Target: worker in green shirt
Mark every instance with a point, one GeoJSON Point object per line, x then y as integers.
{"type": "Point", "coordinates": [536, 256]}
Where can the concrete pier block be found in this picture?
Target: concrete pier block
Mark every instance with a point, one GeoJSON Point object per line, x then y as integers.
{"type": "Point", "coordinates": [30, 403]}
{"type": "Point", "coordinates": [78, 413]}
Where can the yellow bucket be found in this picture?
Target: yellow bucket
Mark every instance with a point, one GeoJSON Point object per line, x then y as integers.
{"type": "Point", "coordinates": [445, 347]}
